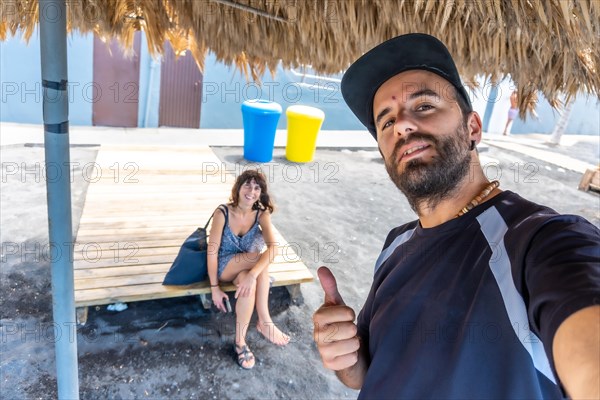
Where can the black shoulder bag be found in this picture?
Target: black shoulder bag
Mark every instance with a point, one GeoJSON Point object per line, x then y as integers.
{"type": "Point", "coordinates": [190, 265]}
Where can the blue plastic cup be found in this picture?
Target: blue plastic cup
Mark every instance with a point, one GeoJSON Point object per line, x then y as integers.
{"type": "Point", "coordinates": [260, 123]}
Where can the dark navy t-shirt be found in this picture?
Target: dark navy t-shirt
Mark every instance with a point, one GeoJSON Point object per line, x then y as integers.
{"type": "Point", "coordinates": [468, 309]}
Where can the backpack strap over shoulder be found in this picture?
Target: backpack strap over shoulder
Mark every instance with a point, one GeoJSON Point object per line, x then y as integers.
{"type": "Point", "coordinates": [223, 208]}
{"type": "Point", "coordinates": [257, 215]}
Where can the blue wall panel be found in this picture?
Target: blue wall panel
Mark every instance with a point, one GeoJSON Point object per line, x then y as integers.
{"type": "Point", "coordinates": [20, 76]}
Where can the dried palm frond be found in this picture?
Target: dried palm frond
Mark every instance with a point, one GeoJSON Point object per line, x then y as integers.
{"type": "Point", "coordinates": [549, 46]}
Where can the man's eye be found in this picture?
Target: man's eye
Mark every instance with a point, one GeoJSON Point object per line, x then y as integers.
{"type": "Point", "coordinates": [424, 107]}
{"type": "Point", "coordinates": [388, 124]}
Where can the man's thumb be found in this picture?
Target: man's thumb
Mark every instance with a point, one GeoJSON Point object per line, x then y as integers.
{"type": "Point", "coordinates": [332, 296]}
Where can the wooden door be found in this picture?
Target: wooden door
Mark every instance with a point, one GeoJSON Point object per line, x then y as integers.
{"type": "Point", "coordinates": [180, 91]}
{"type": "Point", "coordinates": [115, 89]}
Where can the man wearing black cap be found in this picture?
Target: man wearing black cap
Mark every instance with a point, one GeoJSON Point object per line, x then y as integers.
{"type": "Point", "coordinates": [486, 295]}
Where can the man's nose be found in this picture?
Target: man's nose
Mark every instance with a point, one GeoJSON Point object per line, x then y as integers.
{"type": "Point", "coordinates": [404, 126]}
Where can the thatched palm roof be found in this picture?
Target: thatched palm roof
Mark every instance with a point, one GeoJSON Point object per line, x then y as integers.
{"type": "Point", "coordinates": [547, 45]}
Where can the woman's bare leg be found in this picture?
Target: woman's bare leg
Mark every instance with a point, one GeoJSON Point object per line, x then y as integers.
{"type": "Point", "coordinates": [234, 271]}
{"type": "Point", "coordinates": [238, 263]}
{"type": "Point", "coordinates": [265, 324]}
{"type": "Point", "coordinates": [243, 312]}
{"type": "Point", "coordinates": [507, 127]}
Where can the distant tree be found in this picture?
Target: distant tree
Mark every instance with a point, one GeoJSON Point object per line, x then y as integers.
{"type": "Point", "coordinates": [561, 124]}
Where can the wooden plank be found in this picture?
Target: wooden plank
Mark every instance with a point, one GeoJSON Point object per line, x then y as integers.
{"type": "Point", "coordinates": [176, 218]}
{"type": "Point", "coordinates": [166, 160]}
{"type": "Point", "coordinates": [147, 221]}
{"type": "Point", "coordinates": [190, 188]}
{"type": "Point", "coordinates": [154, 180]}
{"type": "Point", "coordinates": [125, 258]}
{"type": "Point", "coordinates": [127, 171]}
{"type": "Point", "coordinates": [159, 197]}
{"type": "Point", "coordinates": [584, 183]}
{"type": "Point", "coordinates": [116, 214]}
{"type": "Point", "coordinates": [84, 270]}
{"type": "Point", "coordinates": [197, 201]}
{"type": "Point", "coordinates": [110, 148]}
{"type": "Point", "coordinates": [590, 180]}
{"type": "Point", "coordinates": [129, 252]}
{"type": "Point", "coordinates": [85, 273]}
{"type": "Point", "coordinates": [159, 216]}
{"type": "Point", "coordinates": [193, 186]}
{"type": "Point", "coordinates": [107, 181]}
{"type": "Point", "coordinates": [154, 148]}
{"type": "Point", "coordinates": [130, 255]}
{"type": "Point", "coordinates": [170, 239]}
{"type": "Point", "coordinates": [290, 278]}
{"type": "Point", "coordinates": [87, 233]}
{"type": "Point", "coordinates": [125, 235]}
{"type": "Point", "coordinates": [143, 191]}
{"type": "Point", "coordinates": [118, 281]}
{"type": "Point", "coordinates": [137, 293]}
{"type": "Point", "coordinates": [122, 197]}
{"type": "Point", "coordinates": [146, 224]}
{"type": "Point", "coordinates": [123, 270]}
{"type": "Point", "coordinates": [184, 230]}
{"type": "Point", "coordinates": [155, 275]}
{"type": "Point", "coordinates": [151, 205]}
{"type": "Point", "coordinates": [86, 263]}
{"type": "Point", "coordinates": [145, 160]}
{"type": "Point", "coordinates": [152, 291]}
{"type": "Point", "coordinates": [596, 178]}
{"type": "Point", "coordinates": [110, 245]}
{"type": "Point", "coordinates": [120, 214]}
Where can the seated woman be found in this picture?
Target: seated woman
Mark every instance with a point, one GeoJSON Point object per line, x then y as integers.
{"type": "Point", "coordinates": [237, 236]}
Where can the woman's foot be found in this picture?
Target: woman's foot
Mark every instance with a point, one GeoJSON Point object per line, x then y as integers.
{"type": "Point", "coordinates": [272, 333]}
{"type": "Point", "coordinates": [245, 358]}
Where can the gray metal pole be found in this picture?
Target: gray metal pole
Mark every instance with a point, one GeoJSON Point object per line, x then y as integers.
{"type": "Point", "coordinates": [53, 48]}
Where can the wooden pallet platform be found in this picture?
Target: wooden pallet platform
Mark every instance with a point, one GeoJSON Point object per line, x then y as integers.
{"type": "Point", "coordinates": [141, 204]}
{"type": "Point", "coordinates": [590, 180]}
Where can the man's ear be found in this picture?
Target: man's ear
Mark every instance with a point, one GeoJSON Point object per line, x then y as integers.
{"type": "Point", "coordinates": [474, 127]}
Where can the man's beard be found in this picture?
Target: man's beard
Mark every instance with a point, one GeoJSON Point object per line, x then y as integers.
{"type": "Point", "coordinates": [428, 183]}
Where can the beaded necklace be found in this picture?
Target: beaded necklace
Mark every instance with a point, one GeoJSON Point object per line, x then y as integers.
{"type": "Point", "coordinates": [477, 199]}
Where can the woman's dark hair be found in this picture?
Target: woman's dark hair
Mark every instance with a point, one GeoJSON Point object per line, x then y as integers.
{"type": "Point", "coordinates": [264, 202]}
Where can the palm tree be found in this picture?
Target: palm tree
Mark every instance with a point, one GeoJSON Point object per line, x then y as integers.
{"type": "Point", "coordinates": [561, 125]}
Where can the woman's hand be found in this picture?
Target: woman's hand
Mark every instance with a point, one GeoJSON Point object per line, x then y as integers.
{"type": "Point", "coordinates": [245, 286]}
{"type": "Point", "coordinates": [218, 298]}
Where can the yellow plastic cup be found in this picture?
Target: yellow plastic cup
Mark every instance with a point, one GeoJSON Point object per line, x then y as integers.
{"type": "Point", "coordinates": [303, 125]}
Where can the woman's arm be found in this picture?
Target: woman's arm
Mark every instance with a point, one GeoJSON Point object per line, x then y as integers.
{"type": "Point", "coordinates": [214, 243]}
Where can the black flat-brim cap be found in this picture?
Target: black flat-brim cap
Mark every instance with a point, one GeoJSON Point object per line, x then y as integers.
{"type": "Point", "coordinates": [402, 53]}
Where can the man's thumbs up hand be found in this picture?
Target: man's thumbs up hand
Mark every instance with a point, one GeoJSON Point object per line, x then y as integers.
{"type": "Point", "coordinates": [335, 331]}
{"type": "Point", "coordinates": [329, 285]}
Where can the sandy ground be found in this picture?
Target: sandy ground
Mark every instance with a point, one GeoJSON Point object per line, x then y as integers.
{"type": "Point", "coordinates": [335, 211]}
